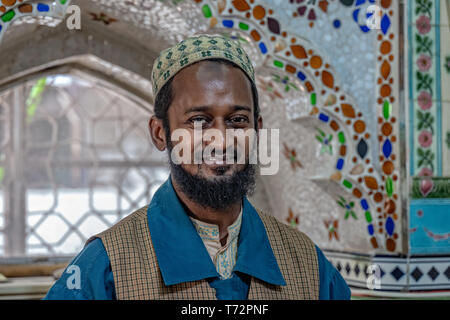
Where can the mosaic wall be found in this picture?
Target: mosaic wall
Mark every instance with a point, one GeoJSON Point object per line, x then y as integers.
{"type": "Point", "coordinates": [348, 154]}
{"type": "Point", "coordinates": [354, 172]}
{"type": "Point", "coordinates": [328, 77]}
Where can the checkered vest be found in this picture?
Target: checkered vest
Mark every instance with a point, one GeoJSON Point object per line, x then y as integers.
{"type": "Point", "coordinates": [137, 275]}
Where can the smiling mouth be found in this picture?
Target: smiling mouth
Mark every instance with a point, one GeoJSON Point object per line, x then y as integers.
{"type": "Point", "coordinates": [217, 165]}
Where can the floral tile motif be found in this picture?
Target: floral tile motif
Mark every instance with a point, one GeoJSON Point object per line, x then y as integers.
{"type": "Point", "coordinates": [285, 81]}
{"type": "Point", "coordinates": [269, 88]}
{"type": "Point", "coordinates": [447, 140]}
{"type": "Point", "coordinates": [292, 156]}
{"type": "Point", "coordinates": [430, 188]}
{"type": "Point", "coordinates": [425, 89]}
{"type": "Point", "coordinates": [293, 219]}
{"type": "Point", "coordinates": [325, 140]}
{"type": "Point", "coordinates": [348, 207]}
{"type": "Point", "coordinates": [101, 17]}
{"type": "Point", "coordinates": [332, 226]}
{"type": "Point", "coordinates": [447, 64]}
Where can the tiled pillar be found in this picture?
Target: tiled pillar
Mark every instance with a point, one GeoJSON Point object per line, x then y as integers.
{"type": "Point", "coordinates": [429, 93]}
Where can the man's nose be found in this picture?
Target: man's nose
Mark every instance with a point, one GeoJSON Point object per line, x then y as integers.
{"type": "Point", "coordinates": [215, 136]}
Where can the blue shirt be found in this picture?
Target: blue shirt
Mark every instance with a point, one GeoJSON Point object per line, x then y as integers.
{"type": "Point", "coordinates": [182, 257]}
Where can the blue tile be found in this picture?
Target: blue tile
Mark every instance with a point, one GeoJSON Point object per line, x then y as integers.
{"type": "Point", "coordinates": [429, 217]}
{"type": "Point", "coordinates": [387, 148]}
{"type": "Point", "coordinates": [263, 47]}
{"type": "Point", "coordinates": [228, 23]}
{"type": "Point", "coordinates": [323, 117]}
{"type": "Point", "coordinates": [364, 204]}
{"type": "Point", "coordinates": [340, 164]}
{"type": "Point", "coordinates": [43, 7]}
{"type": "Point", "coordinates": [301, 76]}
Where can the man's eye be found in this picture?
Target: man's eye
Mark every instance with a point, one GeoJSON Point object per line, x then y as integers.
{"type": "Point", "coordinates": [239, 119]}
{"type": "Point", "coordinates": [198, 120]}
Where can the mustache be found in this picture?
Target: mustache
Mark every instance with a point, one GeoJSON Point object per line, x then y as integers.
{"type": "Point", "coordinates": [227, 156]}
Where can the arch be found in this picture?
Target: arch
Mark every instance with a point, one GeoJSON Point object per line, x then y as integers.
{"type": "Point", "coordinates": [298, 58]}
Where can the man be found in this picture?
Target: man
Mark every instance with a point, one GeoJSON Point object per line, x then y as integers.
{"type": "Point", "coordinates": [200, 238]}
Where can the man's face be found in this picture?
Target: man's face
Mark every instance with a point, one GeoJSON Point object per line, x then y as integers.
{"type": "Point", "coordinates": [212, 95]}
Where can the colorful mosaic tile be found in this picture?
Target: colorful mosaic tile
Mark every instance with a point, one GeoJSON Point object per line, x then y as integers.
{"type": "Point", "coordinates": [11, 10]}
{"type": "Point", "coordinates": [387, 129]}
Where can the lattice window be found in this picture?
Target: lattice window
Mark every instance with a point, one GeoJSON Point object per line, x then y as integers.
{"type": "Point", "coordinates": [75, 157]}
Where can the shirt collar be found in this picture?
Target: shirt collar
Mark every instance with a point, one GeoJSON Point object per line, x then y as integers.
{"type": "Point", "coordinates": [255, 255]}
{"type": "Point", "coordinates": [210, 232]}
{"type": "Point", "coordinates": [181, 254]}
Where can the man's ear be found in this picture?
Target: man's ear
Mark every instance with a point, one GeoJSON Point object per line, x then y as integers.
{"type": "Point", "coordinates": [157, 133]}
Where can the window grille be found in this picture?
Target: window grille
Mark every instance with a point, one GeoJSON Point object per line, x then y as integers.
{"type": "Point", "coordinates": [75, 157]}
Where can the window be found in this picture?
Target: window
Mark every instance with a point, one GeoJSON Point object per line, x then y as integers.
{"type": "Point", "coordinates": [75, 157]}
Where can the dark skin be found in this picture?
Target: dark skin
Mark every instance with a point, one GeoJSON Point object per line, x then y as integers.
{"type": "Point", "coordinates": [217, 96]}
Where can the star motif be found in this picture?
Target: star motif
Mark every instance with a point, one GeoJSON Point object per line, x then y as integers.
{"type": "Point", "coordinates": [306, 9]}
{"type": "Point", "coordinates": [348, 206]}
{"type": "Point", "coordinates": [270, 89]}
{"type": "Point", "coordinates": [332, 225]}
{"type": "Point", "coordinates": [325, 141]}
{"type": "Point", "coordinates": [293, 220]}
{"type": "Point", "coordinates": [291, 155]}
{"type": "Point", "coordinates": [285, 82]}
{"type": "Point", "coordinates": [102, 17]}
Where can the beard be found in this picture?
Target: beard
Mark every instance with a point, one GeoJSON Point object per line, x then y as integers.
{"type": "Point", "coordinates": [215, 193]}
